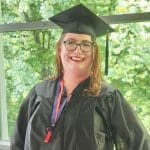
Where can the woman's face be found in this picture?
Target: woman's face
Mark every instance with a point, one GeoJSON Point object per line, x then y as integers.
{"type": "Point", "coordinates": [74, 57]}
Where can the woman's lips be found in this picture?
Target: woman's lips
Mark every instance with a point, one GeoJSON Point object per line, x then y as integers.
{"type": "Point", "coordinates": [79, 59]}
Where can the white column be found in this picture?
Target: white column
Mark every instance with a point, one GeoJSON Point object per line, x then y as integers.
{"type": "Point", "coordinates": [3, 103]}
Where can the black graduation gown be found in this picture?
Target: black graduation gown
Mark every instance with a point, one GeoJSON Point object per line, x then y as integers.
{"type": "Point", "coordinates": [87, 122]}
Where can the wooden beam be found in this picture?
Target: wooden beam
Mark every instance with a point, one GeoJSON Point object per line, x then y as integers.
{"type": "Point", "coordinates": [28, 26]}
{"type": "Point", "coordinates": [127, 18]}
{"type": "Point", "coordinates": [43, 25]}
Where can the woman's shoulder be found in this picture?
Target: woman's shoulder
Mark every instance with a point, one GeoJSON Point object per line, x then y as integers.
{"type": "Point", "coordinates": [44, 84]}
{"type": "Point", "coordinates": [107, 89]}
{"type": "Point", "coordinates": [44, 87]}
{"type": "Point", "coordinates": [110, 93]}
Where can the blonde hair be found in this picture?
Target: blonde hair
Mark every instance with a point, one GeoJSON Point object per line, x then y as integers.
{"type": "Point", "coordinates": [94, 87]}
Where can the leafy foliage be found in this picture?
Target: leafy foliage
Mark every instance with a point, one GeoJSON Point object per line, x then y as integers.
{"type": "Point", "coordinates": [29, 56]}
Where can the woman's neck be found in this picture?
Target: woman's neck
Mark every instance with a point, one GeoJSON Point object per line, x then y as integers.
{"type": "Point", "coordinates": [72, 80]}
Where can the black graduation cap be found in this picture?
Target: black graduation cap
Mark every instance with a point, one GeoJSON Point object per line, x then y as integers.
{"type": "Point", "coordinates": [79, 19]}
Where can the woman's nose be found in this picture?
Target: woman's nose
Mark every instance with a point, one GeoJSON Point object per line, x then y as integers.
{"type": "Point", "coordinates": [78, 49]}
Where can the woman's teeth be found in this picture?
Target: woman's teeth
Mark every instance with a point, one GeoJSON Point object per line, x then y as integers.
{"type": "Point", "coordinates": [77, 58]}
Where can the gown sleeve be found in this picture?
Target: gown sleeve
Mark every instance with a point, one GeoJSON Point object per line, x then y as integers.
{"type": "Point", "coordinates": [128, 132]}
{"type": "Point", "coordinates": [18, 137]}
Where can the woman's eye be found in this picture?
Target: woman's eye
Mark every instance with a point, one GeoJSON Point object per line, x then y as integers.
{"type": "Point", "coordinates": [71, 42]}
{"type": "Point", "coordinates": [87, 44]}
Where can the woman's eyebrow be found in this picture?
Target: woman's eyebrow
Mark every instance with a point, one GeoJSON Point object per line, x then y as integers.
{"type": "Point", "coordinates": [79, 41]}
{"type": "Point", "coordinates": [71, 39]}
{"type": "Point", "coordinates": [86, 41]}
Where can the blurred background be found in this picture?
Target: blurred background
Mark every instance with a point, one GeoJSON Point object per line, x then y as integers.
{"type": "Point", "coordinates": [29, 55]}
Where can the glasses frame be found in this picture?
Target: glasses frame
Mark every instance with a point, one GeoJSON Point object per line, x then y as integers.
{"type": "Point", "coordinates": [79, 44]}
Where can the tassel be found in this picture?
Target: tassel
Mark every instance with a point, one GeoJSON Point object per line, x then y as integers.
{"type": "Point", "coordinates": [107, 54]}
{"type": "Point", "coordinates": [48, 137]}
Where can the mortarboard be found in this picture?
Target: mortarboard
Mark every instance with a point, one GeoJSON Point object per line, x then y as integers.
{"type": "Point", "coordinates": [79, 19]}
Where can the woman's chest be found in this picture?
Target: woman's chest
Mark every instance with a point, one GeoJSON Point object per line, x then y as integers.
{"type": "Point", "coordinates": [74, 127]}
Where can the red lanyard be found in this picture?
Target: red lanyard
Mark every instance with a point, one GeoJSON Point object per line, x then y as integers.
{"type": "Point", "coordinates": [57, 109]}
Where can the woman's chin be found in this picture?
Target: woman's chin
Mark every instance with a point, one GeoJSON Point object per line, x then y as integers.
{"type": "Point", "coordinates": [77, 69]}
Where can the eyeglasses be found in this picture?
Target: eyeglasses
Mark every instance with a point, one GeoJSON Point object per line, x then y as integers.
{"type": "Point", "coordinates": [85, 46]}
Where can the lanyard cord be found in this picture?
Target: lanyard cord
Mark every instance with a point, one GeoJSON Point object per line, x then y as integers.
{"type": "Point", "coordinates": [56, 110]}
{"type": "Point", "coordinates": [57, 101]}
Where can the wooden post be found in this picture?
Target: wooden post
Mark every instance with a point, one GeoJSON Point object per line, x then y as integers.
{"type": "Point", "coordinates": [3, 103]}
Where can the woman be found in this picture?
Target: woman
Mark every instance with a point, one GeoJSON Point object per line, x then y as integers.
{"type": "Point", "coordinates": [76, 110]}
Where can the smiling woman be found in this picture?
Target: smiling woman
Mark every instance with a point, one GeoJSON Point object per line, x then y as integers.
{"type": "Point", "coordinates": [76, 62]}
{"type": "Point", "coordinates": [74, 53]}
{"type": "Point", "coordinates": [77, 110]}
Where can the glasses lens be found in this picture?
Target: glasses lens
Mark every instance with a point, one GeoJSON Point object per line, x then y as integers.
{"type": "Point", "coordinates": [70, 45]}
{"type": "Point", "coordinates": [86, 46]}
